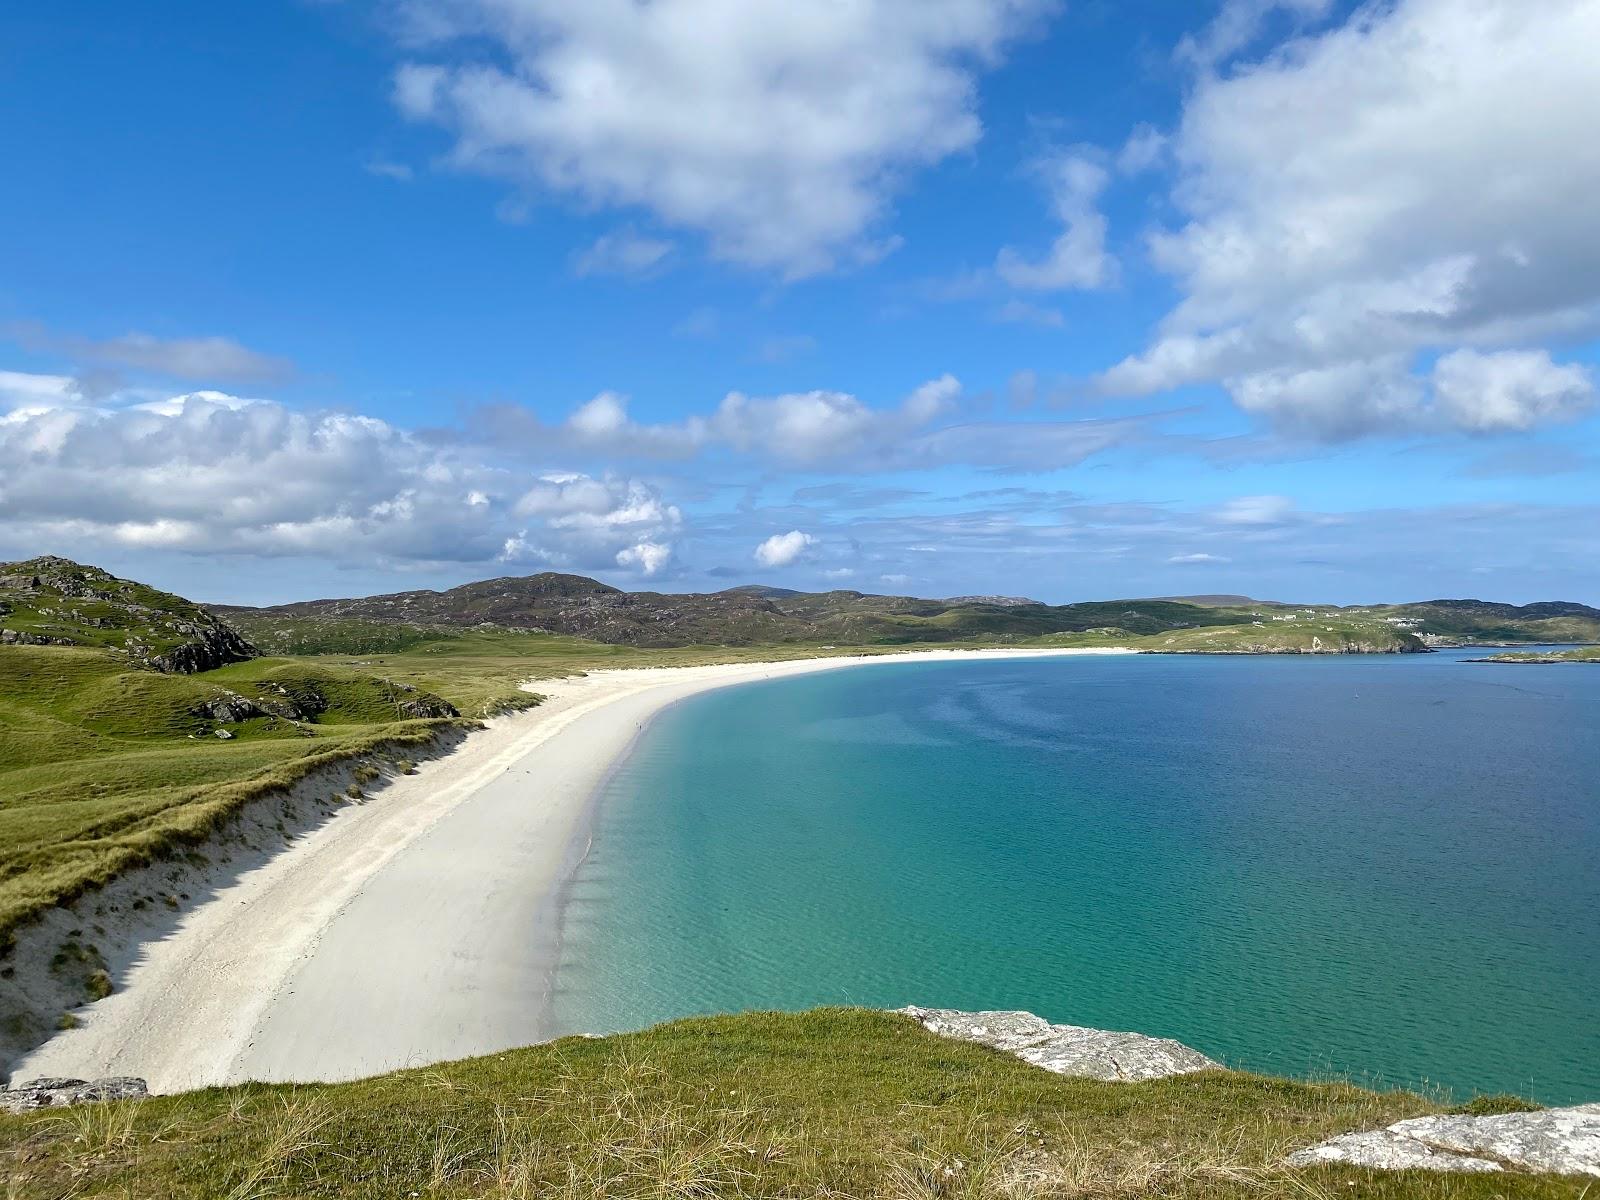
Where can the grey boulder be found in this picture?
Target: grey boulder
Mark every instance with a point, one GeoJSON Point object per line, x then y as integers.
{"type": "Point", "coordinates": [1067, 1049]}
{"type": "Point", "coordinates": [56, 1093]}
{"type": "Point", "coordinates": [1560, 1141]}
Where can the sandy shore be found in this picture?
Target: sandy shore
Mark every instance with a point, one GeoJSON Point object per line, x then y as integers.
{"type": "Point", "coordinates": [417, 928]}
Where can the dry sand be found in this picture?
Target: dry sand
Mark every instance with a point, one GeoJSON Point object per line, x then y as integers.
{"type": "Point", "coordinates": [417, 928]}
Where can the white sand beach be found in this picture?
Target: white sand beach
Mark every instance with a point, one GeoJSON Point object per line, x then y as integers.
{"type": "Point", "coordinates": [416, 928]}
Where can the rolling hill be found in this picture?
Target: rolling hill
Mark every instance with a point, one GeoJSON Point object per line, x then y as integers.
{"type": "Point", "coordinates": [754, 615]}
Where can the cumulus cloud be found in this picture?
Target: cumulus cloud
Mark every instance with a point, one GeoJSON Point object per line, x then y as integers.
{"type": "Point", "coordinates": [206, 475]}
{"type": "Point", "coordinates": [1509, 390]}
{"type": "Point", "coordinates": [817, 429]}
{"type": "Point", "coordinates": [784, 549]}
{"type": "Point", "coordinates": [780, 131]}
{"type": "Point", "coordinates": [1078, 257]}
{"type": "Point", "coordinates": [1416, 181]}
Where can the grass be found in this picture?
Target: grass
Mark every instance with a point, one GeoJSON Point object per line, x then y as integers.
{"type": "Point", "coordinates": [104, 767]}
{"type": "Point", "coordinates": [832, 1103]}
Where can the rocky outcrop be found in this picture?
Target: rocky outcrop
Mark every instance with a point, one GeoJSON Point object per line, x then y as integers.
{"type": "Point", "coordinates": [56, 602]}
{"type": "Point", "coordinates": [228, 708]}
{"type": "Point", "coordinates": [1067, 1049]}
{"type": "Point", "coordinates": [1560, 1141]}
{"type": "Point", "coordinates": [57, 1093]}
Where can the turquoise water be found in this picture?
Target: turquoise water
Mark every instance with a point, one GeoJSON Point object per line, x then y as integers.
{"type": "Point", "coordinates": [1382, 867]}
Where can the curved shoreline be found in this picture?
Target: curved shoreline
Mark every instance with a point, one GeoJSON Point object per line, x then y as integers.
{"type": "Point", "coordinates": [417, 928]}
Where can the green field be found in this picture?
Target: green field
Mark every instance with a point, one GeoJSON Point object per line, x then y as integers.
{"type": "Point", "coordinates": [833, 1103]}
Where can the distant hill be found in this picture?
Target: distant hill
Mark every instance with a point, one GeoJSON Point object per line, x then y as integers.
{"type": "Point", "coordinates": [998, 601]}
{"type": "Point", "coordinates": [54, 601]}
{"type": "Point", "coordinates": [1223, 601]}
{"type": "Point", "coordinates": [750, 615]}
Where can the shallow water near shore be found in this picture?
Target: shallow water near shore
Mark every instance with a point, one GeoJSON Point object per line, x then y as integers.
{"type": "Point", "coordinates": [1386, 868]}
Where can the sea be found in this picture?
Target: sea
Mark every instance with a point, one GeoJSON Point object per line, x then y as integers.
{"type": "Point", "coordinates": [1377, 868]}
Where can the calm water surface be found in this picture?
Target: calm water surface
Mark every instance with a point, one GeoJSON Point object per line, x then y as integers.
{"type": "Point", "coordinates": [1385, 867]}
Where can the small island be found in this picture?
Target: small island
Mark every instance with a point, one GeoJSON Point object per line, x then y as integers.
{"type": "Point", "coordinates": [1582, 654]}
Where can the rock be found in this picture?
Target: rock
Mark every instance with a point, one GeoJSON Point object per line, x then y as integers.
{"type": "Point", "coordinates": [225, 734]}
{"type": "Point", "coordinates": [229, 708]}
{"type": "Point", "coordinates": [428, 706]}
{"type": "Point", "coordinates": [1067, 1049]}
{"type": "Point", "coordinates": [54, 1093]}
{"type": "Point", "coordinates": [1560, 1141]}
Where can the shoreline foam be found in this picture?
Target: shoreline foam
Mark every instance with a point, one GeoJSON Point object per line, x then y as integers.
{"type": "Point", "coordinates": [417, 928]}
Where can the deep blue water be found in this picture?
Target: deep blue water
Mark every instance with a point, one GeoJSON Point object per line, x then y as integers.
{"type": "Point", "coordinates": [1386, 867]}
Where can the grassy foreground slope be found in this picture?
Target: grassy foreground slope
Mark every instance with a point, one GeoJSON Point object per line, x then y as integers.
{"type": "Point", "coordinates": [832, 1103]}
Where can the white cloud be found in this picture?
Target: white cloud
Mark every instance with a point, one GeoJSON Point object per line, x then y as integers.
{"type": "Point", "coordinates": [646, 557]}
{"type": "Point", "coordinates": [1338, 401]}
{"type": "Point", "coordinates": [208, 473]}
{"type": "Point", "coordinates": [1078, 257]}
{"type": "Point", "coordinates": [778, 130]}
{"type": "Point", "coordinates": [20, 390]}
{"type": "Point", "coordinates": [1197, 559]}
{"type": "Point", "coordinates": [811, 427]}
{"type": "Point", "coordinates": [784, 549]}
{"type": "Point", "coordinates": [1418, 180]}
{"type": "Point", "coordinates": [1256, 510]}
{"type": "Point", "coordinates": [1145, 148]}
{"type": "Point", "coordinates": [1237, 24]}
{"type": "Point", "coordinates": [625, 252]}
{"type": "Point", "coordinates": [1509, 390]}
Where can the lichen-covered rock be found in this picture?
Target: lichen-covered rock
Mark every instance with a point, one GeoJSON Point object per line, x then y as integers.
{"type": "Point", "coordinates": [55, 1093]}
{"type": "Point", "coordinates": [53, 601]}
{"type": "Point", "coordinates": [1067, 1049]}
{"type": "Point", "coordinates": [1560, 1141]}
{"type": "Point", "coordinates": [228, 708]}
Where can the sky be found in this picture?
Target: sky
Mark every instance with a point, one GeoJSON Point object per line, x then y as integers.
{"type": "Point", "coordinates": [1070, 300]}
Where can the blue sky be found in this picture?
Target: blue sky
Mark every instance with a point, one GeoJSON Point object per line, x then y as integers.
{"type": "Point", "coordinates": [1074, 300]}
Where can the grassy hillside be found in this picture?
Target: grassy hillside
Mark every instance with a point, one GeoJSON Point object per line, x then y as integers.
{"type": "Point", "coordinates": [53, 601]}
{"type": "Point", "coordinates": [103, 766]}
{"type": "Point", "coordinates": [752, 616]}
{"type": "Point", "coordinates": [743, 616]}
{"type": "Point", "coordinates": [832, 1103]}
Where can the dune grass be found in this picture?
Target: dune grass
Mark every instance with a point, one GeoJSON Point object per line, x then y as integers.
{"type": "Point", "coordinates": [104, 766]}
{"type": "Point", "coordinates": [832, 1103]}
